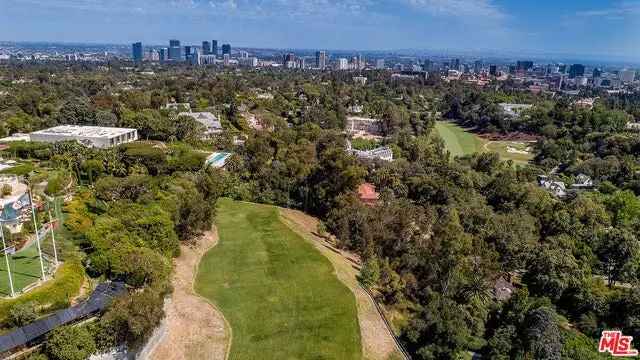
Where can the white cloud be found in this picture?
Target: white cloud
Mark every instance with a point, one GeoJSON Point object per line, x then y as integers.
{"type": "Point", "coordinates": [462, 8]}
{"type": "Point", "coordinates": [619, 11]}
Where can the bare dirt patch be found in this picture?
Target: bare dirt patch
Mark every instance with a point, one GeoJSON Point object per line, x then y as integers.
{"type": "Point", "coordinates": [377, 342]}
{"type": "Point", "coordinates": [195, 329]}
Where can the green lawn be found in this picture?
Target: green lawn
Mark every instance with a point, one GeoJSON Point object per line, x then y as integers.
{"type": "Point", "coordinates": [458, 141]}
{"type": "Point", "coordinates": [279, 294]}
{"type": "Point", "coordinates": [25, 268]}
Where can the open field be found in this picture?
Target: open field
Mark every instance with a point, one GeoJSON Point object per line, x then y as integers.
{"type": "Point", "coordinates": [377, 340]}
{"type": "Point", "coordinates": [460, 142]}
{"type": "Point", "coordinates": [279, 294]}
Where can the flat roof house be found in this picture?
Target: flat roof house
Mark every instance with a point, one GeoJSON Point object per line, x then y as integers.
{"type": "Point", "coordinates": [91, 136]}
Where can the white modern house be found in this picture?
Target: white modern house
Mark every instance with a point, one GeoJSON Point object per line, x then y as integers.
{"type": "Point", "coordinates": [91, 136]}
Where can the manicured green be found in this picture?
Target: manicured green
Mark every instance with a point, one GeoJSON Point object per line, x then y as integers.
{"type": "Point", "coordinates": [25, 267]}
{"type": "Point", "coordinates": [458, 141]}
{"type": "Point", "coordinates": [279, 294]}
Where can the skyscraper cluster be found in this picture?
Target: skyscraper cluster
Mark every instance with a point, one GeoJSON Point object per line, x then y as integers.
{"type": "Point", "coordinates": [175, 52]}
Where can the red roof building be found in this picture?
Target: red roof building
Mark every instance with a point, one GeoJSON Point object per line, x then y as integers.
{"type": "Point", "coordinates": [367, 194]}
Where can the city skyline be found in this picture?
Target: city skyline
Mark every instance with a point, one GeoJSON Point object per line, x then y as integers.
{"type": "Point", "coordinates": [571, 27]}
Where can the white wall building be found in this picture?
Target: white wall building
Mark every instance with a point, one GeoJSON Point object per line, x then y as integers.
{"type": "Point", "coordinates": [627, 76]}
{"type": "Point", "coordinates": [342, 64]}
{"type": "Point", "coordinates": [91, 136]}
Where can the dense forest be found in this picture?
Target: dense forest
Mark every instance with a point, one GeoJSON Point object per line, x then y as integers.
{"type": "Point", "coordinates": [444, 233]}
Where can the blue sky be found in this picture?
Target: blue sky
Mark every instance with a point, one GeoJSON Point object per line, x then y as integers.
{"type": "Point", "coordinates": [607, 28]}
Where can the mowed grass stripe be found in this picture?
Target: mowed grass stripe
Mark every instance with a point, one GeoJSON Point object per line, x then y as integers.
{"type": "Point", "coordinates": [458, 141]}
{"type": "Point", "coordinates": [279, 294]}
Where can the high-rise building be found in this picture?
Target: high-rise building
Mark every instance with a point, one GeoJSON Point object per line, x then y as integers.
{"type": "Point", "coordinates": [493, 70]}
{"type": "Point", "coordinates": [226, 58]}
{"type": "Point", "coordinates": [137, 52]}
{"type": "Point", "coordinates": [360, 62]}
{"type": "Point", "coordinates": [343, 64]}
{"type": "Point", "coordinates": [153, 55]}
{"type": "Point", "coordinates": [627, 76]}
{"type": "Point", "coordinates": [477, 66]}
{"type": "Point", "coordinates": [524, 65]}
{"type": "Point", "coordinates": [214, 47]}
{"type": "Point", "coordinates": [206, 48]}
{"type": "Point", "coordinates": [164, 55]}
{"type": "Point", "coordinates": [321, 60]}
{"type": "Point", "coordinates": [455, 64]}
{"type": "Point", "coordinates": [576, 70]}
{"type": "Point", "coordinates": [187, 52]}
{"type": "Point", "coordinates": [380, 64]}
{"type": "Point", "coordinates": [194, 57]}
{"type": "Point", "coordinates": [175, 51]}
{"type": "Point", "coordinates": [288, 58]}
{"type": "Point", "coordinates": [226, 49]}
{"type": "Point", "coordinates": [428, 65]}
{"type": "Point", "coordinates": [597, 72]}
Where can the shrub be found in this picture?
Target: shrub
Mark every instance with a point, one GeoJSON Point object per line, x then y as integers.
{"type": "Point", "coordinates": [70, 343]}
{"type": "Point", "coordinates": [6, 190]}
{"type": "Point", "coordinates": [22, 313]}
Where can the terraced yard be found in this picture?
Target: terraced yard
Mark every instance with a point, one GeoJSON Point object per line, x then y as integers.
{"type": "Point", "coordinates": [279, 294]}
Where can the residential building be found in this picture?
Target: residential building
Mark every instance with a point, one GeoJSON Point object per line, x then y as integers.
{"type": "Point", "coordinates": [211, 123]}
{"type": "Point", "coordinates": [514, 110]}
{"type": "Point", "coordinates": [178, 106]}
{"type": "Point", "coordinates": [360, 80]}
{"type": "Point", "coordinates": [380, 64]}
{"type": "Point", "coordinates": [557, 188]}
{"type": "Point", "coordinates": [91, 136]}
{"type": "Point", "coordinates": [367, 194]}
{"type": "Point", "coordinates": [383, 153]}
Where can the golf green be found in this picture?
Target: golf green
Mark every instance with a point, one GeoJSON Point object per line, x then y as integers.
{"type": "Point", "coordinates": [279, 294]}
{"type": "Point", "coordinates": [457, 140]}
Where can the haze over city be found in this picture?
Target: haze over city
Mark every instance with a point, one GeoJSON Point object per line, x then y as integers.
{"type": "Point", "coordinates": [604, 29]}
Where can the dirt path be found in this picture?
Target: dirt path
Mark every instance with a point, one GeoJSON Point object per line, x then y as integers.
{"type": "Point", "coordinates": [377, 343]}
{"type": "Point", "coordinates": [194, 328]}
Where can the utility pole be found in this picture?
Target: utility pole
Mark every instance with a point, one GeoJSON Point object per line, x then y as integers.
{"type": "Point", "coordinates": [6, 258]}
{"type": "Point", "coordinates": [35, 226]}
